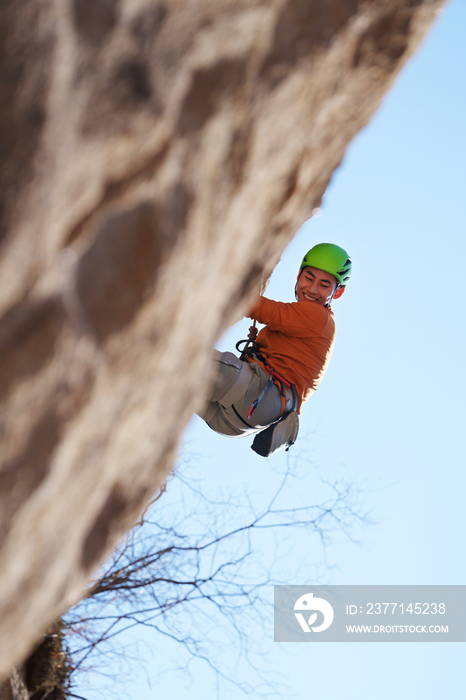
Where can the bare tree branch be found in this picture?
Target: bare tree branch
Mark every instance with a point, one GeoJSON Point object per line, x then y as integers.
{"type": "Point", "coordinates": [188, 562]}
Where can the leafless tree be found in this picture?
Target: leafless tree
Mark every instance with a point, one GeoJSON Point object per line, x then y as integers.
{"type": "Point", "coordinates": [190, 571]}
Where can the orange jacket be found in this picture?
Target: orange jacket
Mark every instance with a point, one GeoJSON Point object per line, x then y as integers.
{"type": "Point", "coordinates": [297, 341]}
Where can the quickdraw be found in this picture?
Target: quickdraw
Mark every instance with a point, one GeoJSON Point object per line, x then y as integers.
{"type": "Point", "coordinates": [250, 344]}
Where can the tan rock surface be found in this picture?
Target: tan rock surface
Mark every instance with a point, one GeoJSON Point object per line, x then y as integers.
{"type": "Point", "coordinates": [154, 157]}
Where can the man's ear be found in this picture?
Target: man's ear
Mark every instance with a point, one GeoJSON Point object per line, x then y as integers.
{"type": "Point", "coordinates": [339, 292]}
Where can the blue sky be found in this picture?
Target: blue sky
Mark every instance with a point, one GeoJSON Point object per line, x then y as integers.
{"type": "Point", "coordinates": [389, 414]}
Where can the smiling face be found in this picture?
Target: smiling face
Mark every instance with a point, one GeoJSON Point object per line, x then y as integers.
{"type": "Point", "coordinates": [317, 286]}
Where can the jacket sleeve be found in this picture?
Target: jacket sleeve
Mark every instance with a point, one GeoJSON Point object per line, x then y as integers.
{"type": "Point", "coordinates": [302, 319]}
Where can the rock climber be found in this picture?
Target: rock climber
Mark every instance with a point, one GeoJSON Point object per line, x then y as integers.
{"type": "Point", "coordinates": [262, 392]}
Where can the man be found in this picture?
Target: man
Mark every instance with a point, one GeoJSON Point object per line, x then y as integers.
{"type": "Point", "coordinates": [267, 386]}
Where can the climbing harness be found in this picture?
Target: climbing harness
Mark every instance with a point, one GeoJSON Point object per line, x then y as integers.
{"type": "Point", "coordinates": [274, 378]}
{"type": "Point", "coordinates": [250, 353]}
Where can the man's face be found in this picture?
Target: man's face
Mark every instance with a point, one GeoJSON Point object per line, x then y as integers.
{"type": "Point", "coordinates": [316, 286]}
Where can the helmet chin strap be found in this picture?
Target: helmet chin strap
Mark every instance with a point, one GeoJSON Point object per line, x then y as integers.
{"type": "Point", "coordinates": [296, 285]}
{"type": "Point", "coordinates": [333, 294]}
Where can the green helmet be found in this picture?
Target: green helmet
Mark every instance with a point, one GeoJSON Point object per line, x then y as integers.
{"type": "Point", "coordinates": [330, 258]}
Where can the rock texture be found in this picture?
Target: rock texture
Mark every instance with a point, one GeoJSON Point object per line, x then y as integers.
{"type": "Point", "coordinates": [155, 157]}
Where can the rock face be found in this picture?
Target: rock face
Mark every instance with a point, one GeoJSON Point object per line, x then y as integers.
{"type": "Point", "coordinates": [156, 156]}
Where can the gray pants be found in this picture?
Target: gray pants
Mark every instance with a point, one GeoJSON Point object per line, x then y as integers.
{"type": "Point", "coordinates": [236, 385]}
